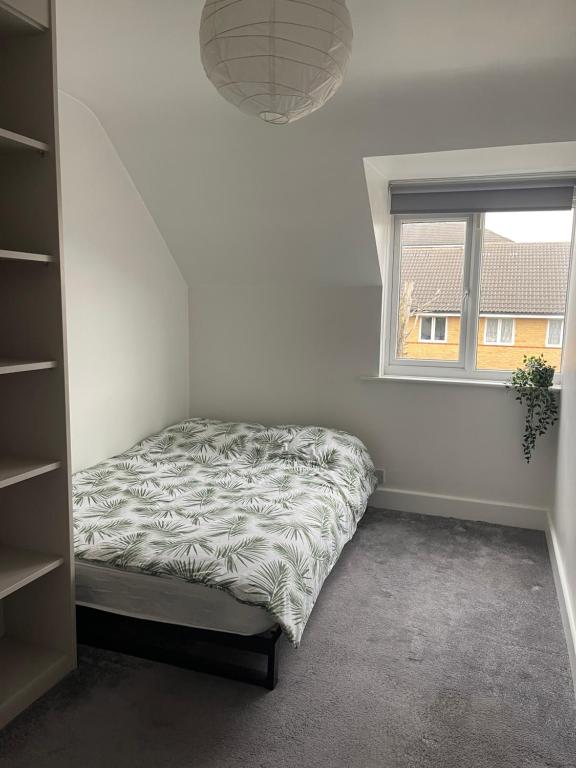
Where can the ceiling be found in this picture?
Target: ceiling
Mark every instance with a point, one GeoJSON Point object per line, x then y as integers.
{"type": "Point", "coordinates": [237, 200]}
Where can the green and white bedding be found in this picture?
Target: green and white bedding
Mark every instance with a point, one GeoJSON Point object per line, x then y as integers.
{"type": "Point", "coordinates": [260, 512]}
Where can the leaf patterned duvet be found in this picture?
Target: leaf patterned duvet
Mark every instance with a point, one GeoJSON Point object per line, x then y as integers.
{"type": "Point", "coordinates": [260, 512]}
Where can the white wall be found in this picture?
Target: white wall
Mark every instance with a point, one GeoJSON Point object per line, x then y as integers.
{"type": "Point", "coordinates": [126, 301]}
{"type": "Point", "coordinates": [563, 519]}
{"type": "Point", "coordinates": [277, 353]}
{"type": "Point", "coordinates": [271, 226]}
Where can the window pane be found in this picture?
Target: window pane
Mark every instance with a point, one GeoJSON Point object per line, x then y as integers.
{"type": "Point", "coordinates": [506, 330]}
{"type": "Point", "coordinates": [524, 273]}
{"type": "Point", "coordinates": [440, 329]}
{"type": "Point", "coordinates": [491, 330]}
{"type": "Point", "coordinates": [426, 329]}
{"type": "Point", "coordinates": [431, 274]}
{"type": "Point", "coordinates": [554, 333]}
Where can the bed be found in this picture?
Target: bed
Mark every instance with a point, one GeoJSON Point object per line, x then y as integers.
{"type": "Point", "coordinates": [221, 527]}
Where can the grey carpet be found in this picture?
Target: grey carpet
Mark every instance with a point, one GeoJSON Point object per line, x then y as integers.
{"type": "Point", "coordinates": [434, 643]}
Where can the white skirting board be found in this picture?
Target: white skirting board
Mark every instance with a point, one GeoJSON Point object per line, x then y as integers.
{"type": "Point", "coordinates": [565, 597]}
{"type": "Point", "coordinates": [499, 512]}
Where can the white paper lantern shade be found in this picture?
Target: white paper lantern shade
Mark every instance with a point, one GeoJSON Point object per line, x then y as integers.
{"type": "Point", "coordinates": [277, 59]}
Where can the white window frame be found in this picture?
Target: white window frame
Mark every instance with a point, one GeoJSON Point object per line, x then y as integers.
{"type": "Point", "coordinates": [432, 340]}
{"type": "Point", "coordinates": [499, 342]}
{"type": "Point", "coordinates": [465, 367]}
{"type": "Point", "coordinates": [551, 320]}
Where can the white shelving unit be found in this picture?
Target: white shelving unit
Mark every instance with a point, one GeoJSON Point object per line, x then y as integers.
{"type": "Point", "coordinates": [37, 627]}
{"type": "Point", "coordinates": [23, 18]}
{"type": "Point", "coordinates": [14, 471]}
{"type": "Point", "coordinates": [24, 366]}
{"type": "Point", "coordinates": [28, 670]}
{"type": "Point", "coordinates": [20, 567]}
{"type": "Point", "coordinates": [22, 256]}
{"type": "Point", "coordinates": [14, 142]}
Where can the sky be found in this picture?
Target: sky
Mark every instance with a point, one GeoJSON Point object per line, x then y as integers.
{"type": "Point", "coordinates": [532, 226]}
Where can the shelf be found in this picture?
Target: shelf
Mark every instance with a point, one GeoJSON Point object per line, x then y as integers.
{"type": "Point", "coordinates": [23, 256]}
{"type": "Point", "coordinates": [37, 637]}
{"type": "Point", "coordinates": [22, 366]}
{"type": "Point", "coordinates": [14, 142]}
{"type": "Point", "coordinates": [19, 567]}
{"type": "Point", "coordinates": [17, 470]}
{"type": "Point", "coordinates": [13, 23]}
{"type": "Point", "coordinates": [27, 671]}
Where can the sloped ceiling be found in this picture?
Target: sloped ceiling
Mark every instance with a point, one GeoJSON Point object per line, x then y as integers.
{"type": "Point", "coordinates": [241, 201]}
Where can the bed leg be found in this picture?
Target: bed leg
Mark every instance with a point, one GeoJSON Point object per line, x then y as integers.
{"type": "Point", "coordinates": [272, 667]}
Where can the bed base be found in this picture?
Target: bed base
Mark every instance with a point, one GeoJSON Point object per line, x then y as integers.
{"type": "Point", "coordinates": [181, 646]}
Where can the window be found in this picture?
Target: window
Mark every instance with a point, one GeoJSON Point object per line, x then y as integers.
{"type": "Point", "coordinates": [430, 281]}
{"type": "Point", "coordinates": [499, 330]}
{"type": "Point", "coordinates": [478, 276]}
{"type": "Point", "coordinates": [433, 328]}
{"type": "Point", "coordinates": [555, 332]}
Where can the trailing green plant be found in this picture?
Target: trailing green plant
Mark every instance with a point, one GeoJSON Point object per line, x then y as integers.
{"type": "Point", "coordinates": [531, 385]}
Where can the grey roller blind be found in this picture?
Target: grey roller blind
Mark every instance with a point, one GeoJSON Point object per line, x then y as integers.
{"type": "Point", "coordinates": [478, 196]}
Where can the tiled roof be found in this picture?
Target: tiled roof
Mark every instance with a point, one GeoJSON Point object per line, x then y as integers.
{"type": "Point", "coordinates": [448, 233]}
{"type": "Point", "coordinates": [517, 278]}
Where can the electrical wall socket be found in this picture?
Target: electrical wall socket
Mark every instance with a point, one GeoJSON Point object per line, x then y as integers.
{"type": "Point", "coordinates": [381, 476]}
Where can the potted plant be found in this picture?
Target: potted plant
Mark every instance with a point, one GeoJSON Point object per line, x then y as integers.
{"type": "Point", "coordinates": [532, 386]}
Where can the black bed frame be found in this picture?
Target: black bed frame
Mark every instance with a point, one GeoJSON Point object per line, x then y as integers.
{"type": "Point", "coordinates": [180, 646]}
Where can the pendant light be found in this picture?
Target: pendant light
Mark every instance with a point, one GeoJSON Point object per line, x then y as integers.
{"type": "Point", "coordinates": [279, 60]}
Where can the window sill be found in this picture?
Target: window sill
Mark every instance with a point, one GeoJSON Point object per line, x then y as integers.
{"type": "Point", "coordinates": [438, 380]}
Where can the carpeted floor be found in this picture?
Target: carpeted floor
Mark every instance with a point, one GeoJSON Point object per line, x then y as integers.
{"type": "Point", "coordinates": [434, 643]}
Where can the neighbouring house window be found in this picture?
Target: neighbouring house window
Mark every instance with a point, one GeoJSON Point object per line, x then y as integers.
{"type": "Point", "coordinates": [433, 328]}
{"type": "Point", "coordinates": [499, 330]}
{"type": "Point", "coordinates": [555, 332]}
{"type": "Point", "coordinates": [481, 269]}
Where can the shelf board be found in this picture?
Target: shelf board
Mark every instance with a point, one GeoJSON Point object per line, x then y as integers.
{"type": "Point", "coordinates": [19, 567]}
{"type": "Point", "coordinates": [25, 256]}
{"type": "Point", "coordinates": [14, 470]}
{"type": "Point", "coordinates": [22, 366]}
{"type": "Point", "coordinates": [15, 142]}
{"type": "Point", "coordinates": [14, 23]}
{"type": "Point", "coordinates": [27, 671]}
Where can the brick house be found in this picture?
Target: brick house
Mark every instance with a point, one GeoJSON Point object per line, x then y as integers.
{"type": "Point", "coordinates": [522, 297]}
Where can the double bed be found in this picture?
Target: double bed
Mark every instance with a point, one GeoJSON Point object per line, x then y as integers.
{"type": "Point", "coordinates": [221, 527]}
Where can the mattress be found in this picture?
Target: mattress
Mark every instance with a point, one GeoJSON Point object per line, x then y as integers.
{"type": "Point", "coordinates": [258, 513]}
{"type": "Point", "coordinates": [167, 600]}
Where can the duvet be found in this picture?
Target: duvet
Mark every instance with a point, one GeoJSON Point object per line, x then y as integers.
{"type": "Point", "coordinates": [260, 512]}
